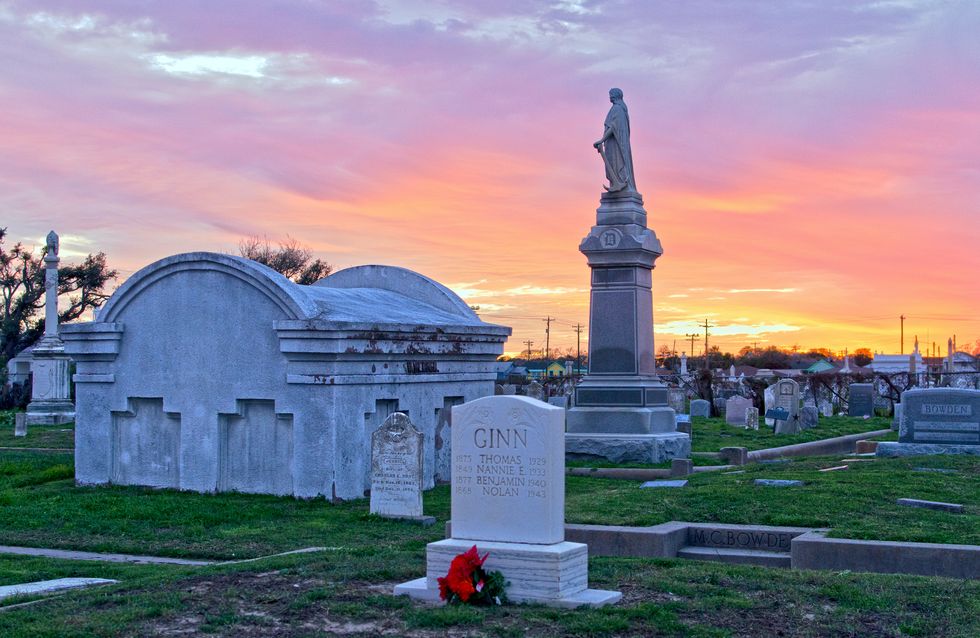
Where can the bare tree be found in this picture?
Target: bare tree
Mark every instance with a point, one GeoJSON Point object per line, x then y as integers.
{"type": "Point", "coordinates": [22, 293]}
{"type": "Point", "coordinates": [287, 257]}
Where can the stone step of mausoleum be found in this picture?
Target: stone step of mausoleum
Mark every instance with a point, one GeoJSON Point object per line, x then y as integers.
{"type": "Point", "coordinates": [739, 556]}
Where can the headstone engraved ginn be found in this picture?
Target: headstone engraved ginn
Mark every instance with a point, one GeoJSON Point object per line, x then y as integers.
{"type": "Point", "coordinates": [508, 499]}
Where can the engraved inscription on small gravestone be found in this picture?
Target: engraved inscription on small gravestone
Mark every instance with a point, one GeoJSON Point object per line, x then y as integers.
{"type": "Point", "coordinates": [508, 480]}
{"type": "Point", "coordinates": [396, 469]}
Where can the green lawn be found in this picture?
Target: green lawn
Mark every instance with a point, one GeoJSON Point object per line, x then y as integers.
{"type": "Point", "coordinates": [348, 592]}
{"type": "Point", "coordinates": [710, 435]}
{"type": "Point", "coordinates": [345, 589]}
{"type": "Point", "coordinates": [46, 436]}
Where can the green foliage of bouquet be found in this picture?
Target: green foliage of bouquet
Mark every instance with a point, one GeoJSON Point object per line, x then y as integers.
{"type": "Point", "coordinates": [467, 581]}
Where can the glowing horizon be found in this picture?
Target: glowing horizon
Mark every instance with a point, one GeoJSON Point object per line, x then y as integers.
{"type": "Point", "coordinates": [812, 173]}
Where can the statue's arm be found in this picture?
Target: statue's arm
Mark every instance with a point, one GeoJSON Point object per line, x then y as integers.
{"type": "Point", "coordinates": [606, 134]}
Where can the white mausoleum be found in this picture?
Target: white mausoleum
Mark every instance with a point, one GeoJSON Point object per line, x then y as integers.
{"type": "Point", "coordinates": [209, 372]}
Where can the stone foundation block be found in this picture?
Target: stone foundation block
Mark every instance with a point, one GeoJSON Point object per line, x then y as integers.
{"type": "Point", "coordinates": [554, 575]}
{"type": "Point", "coordinates": [623, 448]}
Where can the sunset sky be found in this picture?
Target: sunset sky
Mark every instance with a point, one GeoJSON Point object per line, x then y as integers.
{"type": "Point", "coordinates": [811, 168]}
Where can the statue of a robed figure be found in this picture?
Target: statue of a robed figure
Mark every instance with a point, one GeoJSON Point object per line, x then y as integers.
{"type": "Point", "coordinates": [614, 146]}
{"type": "Point", "coordinates": [620, 410]}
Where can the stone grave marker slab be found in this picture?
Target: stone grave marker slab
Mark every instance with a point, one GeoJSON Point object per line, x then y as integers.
{"type": "Point", "coordinates": [809, 417]}
{"type": "Point", "coordinates": [508, 499]}
{"type": "Point", "coordinates": [396, 469]}
{"type": "Point", "coordinates": [665, 483]}
{"type": "Point", "coordinates": [20, 424]}
{"type": "Point", "coordinates": [700, 407]}
{"type": "Point", "coordinates": [752, 418]}
{"type": "Point", "coordinates": [860, 399]}
{"type": "Point", "coordinates": [508, 466]}
{"type": "Point", "coordinates": [937, 421]}
{"type": "Point", "coordinates": [735, 408]}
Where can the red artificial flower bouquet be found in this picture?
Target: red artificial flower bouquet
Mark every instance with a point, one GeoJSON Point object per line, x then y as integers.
{"type": "Point", "coordinates": [467, 582]}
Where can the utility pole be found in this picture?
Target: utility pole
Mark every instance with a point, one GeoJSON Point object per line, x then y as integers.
{"type": "Point", "coordinates": [706, 326]}
{"type": "Point", "coordinates": [692, 337]}
{"type": "Point", "coordinates": [528, 343]}
{"type": "Point", "coordinates": [578, 347]}
{"type": "Point", "coordinates": [902, 319]}
{"type": "Point", "coordinates": [547, 337]}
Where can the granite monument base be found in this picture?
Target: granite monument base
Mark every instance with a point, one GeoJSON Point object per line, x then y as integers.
{"type": "Point", "coordinates": [554, 575]}
{"type": "Point", "coordinates": [893, 449]}
{"type": "Point", "coordinates": [628, 448]}
{"type": "Point", "coordinates": [621, 420]}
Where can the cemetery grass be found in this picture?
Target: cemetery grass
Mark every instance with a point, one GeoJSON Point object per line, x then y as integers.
{"type": "Point", "coordinates": [40, 506]}
{"type": "Point", "coordinates": [348, 593]}
{"type": "Point", "coordinates": [712, 434]}
{"type": "Point", "coordinates": [345, 588]}
{"type": "Point", "coordinates": [38, 436]}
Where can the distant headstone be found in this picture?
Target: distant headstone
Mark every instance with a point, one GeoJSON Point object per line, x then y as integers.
{"type": "Point", "coordinates": [778, 482]}
{"type": "Point", "coordinates": [752, 418]}
{"type": "Point", "coordinates": [770, 401]}
{"type": "Point", "coordinates": [787, 397]}
{"type": "Point", "coordinates": [937, 421]}
{"type": "Point", "coordinates": [897, 419]}
{"type": "Point", "coordinates": [677, 400]}
{"type": "Point", "coordinates": [559, 401]}
{"type": "Point", "coordinates": [826, 409]}
{"type": "Point", "coordinates": [535, 391]}
{"type": "Point", "coordinates": [508, 499]}
{"type": "Point", "coordinates": [700, 407]}
{"type": "Point", "coordinates": [396, 469]}
{"type": "Point", "coordinates": [20, 424]}
{"type": "Point", "coordinates": [735, 408]}
{"type": "Point", "coordinates": [809, 417]}
{"type": "Point", "coordinates": [860, 399]}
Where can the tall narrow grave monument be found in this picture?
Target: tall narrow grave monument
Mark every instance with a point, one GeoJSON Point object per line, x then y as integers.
{"type": "Point", "coordinates": [508, 499]}
{"type": "Point", "coordinates": [51, 390]}
{"type": "Point", "coordinates": [620, 409]}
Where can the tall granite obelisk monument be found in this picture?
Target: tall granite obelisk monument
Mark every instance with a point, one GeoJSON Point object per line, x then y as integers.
{"type": "Point", "coordinates": [620, 409]}
{"type": "Point", "coordinates": [51, 390]}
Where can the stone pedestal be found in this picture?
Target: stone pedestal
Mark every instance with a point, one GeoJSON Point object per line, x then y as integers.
{"type": "Point", "coordinates": [620, 410]}
{"type": "Point", "coordinates": [51, 385]}
{"type": "Point", "coordinates": [556, 575]}
{"type": "Point", "coordinates": [51, 389]}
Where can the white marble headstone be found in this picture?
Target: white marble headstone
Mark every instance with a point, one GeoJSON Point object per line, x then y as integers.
{"type": "Point", "coordinates": [20, 424]}
{"type": "Point", "coordinates": [508, 480]}
{"type": "Point", "coordinates": [396, 468]}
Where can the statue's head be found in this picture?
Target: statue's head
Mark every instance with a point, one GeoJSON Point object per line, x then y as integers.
{"type": "Point", "coordinates": [615, 94]}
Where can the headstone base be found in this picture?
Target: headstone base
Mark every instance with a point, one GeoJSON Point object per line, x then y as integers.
{"type": "Point", "coordinates": [50, 412]}
{"type": "Point", "coordinates": [621, 420]}
{"type": "Point", "coordinates": [553, 575]}
{"type": "Point", "coordinates": [892, 449]}
{"type": "Point", "coordinates": [628, 448]}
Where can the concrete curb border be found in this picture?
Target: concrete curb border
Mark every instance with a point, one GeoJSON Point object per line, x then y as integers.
{"type": "Point", "coordinates": [808, 548]}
